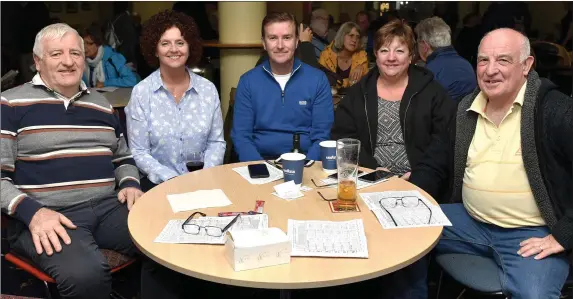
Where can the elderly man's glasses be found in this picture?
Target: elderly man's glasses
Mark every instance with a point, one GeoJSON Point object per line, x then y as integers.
{"type": "Point", "coordinates": [406, 202]}
{"type": "Point", "coordinates": [213, 231]}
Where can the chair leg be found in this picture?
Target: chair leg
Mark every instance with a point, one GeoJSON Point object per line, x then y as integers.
{"type": "Point", "coordinates": [115, 295]}
{"type": "Point", "coordinates": [461, 294]}
{"type": "Point", "coordinates": [52, 290]}
{"type": "Point", "coordinates": [439, 284]}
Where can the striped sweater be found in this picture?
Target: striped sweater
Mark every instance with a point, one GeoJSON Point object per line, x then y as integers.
{"type": "Point", "coordinates": [55, 156]}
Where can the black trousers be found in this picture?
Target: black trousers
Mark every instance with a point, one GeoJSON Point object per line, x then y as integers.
{"type": "Point", "coordinates": [80, 270]}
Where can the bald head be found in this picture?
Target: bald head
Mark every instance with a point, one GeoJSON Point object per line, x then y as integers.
{"type": "Point", "coordinates": [503, 63]}
{"type": "Point", "coordinates": [513, 38]}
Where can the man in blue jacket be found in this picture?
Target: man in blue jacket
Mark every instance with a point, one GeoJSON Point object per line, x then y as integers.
{"type": "Point", "coordinates": [453, 72]}
{"type": "Point", "coordinates": [281, 97]}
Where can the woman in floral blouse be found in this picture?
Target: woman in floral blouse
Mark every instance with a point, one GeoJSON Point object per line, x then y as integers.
{"type": "Point", "coordinates": [174, 116]}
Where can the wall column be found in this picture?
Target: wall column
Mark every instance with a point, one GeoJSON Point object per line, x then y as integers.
{"type": "Point", "coordinates": [239, 24]}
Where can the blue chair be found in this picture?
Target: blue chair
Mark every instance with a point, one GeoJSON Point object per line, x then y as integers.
{"type": "Point", "coordinates": [479, 274]}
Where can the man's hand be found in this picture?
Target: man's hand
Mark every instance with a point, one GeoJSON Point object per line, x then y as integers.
{"type": "Point", "coordinates": [46, 226]}
{"type": "Point", "coordinates": [305, 35]}
{"type": "Point", "coordinates": [99, 84]}
{"type": "Point", "coordinates": [543, 247]}
{"type": "Point", "coordinates": [130, 195]}
{"type": "Point", "coordinates": [355, 75]}
{"type": "Point", "coordinates": [406, 176]}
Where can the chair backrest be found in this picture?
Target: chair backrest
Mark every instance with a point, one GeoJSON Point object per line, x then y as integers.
{"type": "Point", "coordinates": [228, 125]}
{"type": "Point", "coordinates": [551, 54]}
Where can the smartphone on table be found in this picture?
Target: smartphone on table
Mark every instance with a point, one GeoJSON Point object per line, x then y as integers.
{"type": "Point", "coordinates": [258, 171]}
{"type": "Point", "coordinates": [335, 175]}
{"type": "Point", "coordinates": [376, 176]}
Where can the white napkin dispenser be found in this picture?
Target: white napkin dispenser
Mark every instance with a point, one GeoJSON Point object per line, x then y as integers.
{"type": "Point", "coordinates": [257, 248]}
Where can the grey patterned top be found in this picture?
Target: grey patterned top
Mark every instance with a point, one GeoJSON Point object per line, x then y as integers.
{"type": "Point", "coordinates": [390, 150]}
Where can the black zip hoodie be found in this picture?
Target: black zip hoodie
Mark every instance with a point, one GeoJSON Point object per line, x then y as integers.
{"type": "Point", "coordinates": [425, 112]}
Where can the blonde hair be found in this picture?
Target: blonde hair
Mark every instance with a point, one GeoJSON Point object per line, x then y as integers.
{"type": "Point", "coordinates": [345, 29]}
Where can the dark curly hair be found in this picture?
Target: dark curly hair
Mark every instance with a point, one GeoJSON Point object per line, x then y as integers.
{"type": "Point", "coordinates": [154, 28]}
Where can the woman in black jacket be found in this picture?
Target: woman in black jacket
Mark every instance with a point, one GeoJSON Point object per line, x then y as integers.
{"type": "Point", "coordinates": [397, 108]}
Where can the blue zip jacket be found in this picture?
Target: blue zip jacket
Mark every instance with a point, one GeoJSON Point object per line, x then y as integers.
{"type": "Point", "coordinates": [116, 72]}
{"type": "Point", "coordinates": [265, 118]}
{"type": "Point", "coordinates": [453, 72]}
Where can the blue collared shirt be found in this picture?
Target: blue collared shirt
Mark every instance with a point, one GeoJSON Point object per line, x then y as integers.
{"type": "Point", "coordinates": [163, 134]}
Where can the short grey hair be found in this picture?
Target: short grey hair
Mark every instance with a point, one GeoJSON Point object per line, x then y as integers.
{"type": "Point", "coordinates": [54, 31]}
{"type": "Point", "coordinates": [524, 49]}
{"type": "Point", "coordinates": [435, 32]}
{"type": "Point", "coordinates": [342, 32]}
{"type": "Point", "coordinates": [319, 12]}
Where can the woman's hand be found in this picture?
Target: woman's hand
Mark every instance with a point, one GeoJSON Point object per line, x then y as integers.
{"type": "Point", "coordinates": [305, 34]}
{"type": "Point", "coordinates": [355, 75]}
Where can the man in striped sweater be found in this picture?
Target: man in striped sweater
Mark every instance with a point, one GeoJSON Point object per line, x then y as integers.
{"type": "Point", "coordinates": [62, 153]}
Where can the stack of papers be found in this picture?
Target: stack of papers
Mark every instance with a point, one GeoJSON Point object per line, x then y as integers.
{"type": "Point", "coordinates": [418, 216]}
{"type": "Point", "coordinates": [274, 174]}
{"type": "Point", "coordinates": [198, 200]}
{"type": "Point", "coordinates": [328, 238]}
{"type": "Point", "coordinates": [173, 231]}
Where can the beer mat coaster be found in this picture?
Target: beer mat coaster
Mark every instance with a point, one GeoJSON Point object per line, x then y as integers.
{"type": "Point", "coordinates": [335, 209]}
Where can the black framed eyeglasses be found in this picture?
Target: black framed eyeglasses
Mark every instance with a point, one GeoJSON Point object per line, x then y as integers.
{"type": "Point", "coordinates": [324, 185]}
{"type": "Point", "coordinates": [406, 202]}
{"type": "Point", "coordinates": [327, 199]}
{"type": "Point", "coordinates": [213, 231]}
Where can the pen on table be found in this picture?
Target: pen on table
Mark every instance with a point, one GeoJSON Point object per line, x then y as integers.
{"type": "Point", "coordinates": [227, 214]}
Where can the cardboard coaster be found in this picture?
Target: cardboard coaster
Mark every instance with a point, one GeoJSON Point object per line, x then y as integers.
{"type": "Point", "coordinates": [335, 209]}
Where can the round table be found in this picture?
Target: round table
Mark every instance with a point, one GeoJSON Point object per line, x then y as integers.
{"type": "Point", "coordinates": [389, 249]}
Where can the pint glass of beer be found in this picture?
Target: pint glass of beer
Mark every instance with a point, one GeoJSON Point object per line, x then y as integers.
{"type": "Point", "coordinates": [347, 150]}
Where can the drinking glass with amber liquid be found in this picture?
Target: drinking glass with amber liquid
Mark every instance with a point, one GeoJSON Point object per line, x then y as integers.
{"type": "Point", "coordinates": [347, 151]}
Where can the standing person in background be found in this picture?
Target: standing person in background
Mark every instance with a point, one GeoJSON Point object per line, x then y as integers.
{"type": "Point", "coordinates": [121, 33]}
{"type": "Point", "coordinates": [105, 67]}
{"type": "Point", "coordinates": [566, 38]}
{"type": "Point", "coordinates": [363, 21]}
{"type": "Point", "coordinates": [467, 41]}
{"type": "Point", "coordinates": [319, 27]}
{"type": "Point", "coordinates": [174, 116]}
{"type": "Point", "coordinates": [31, 18]}
{"type": "Point", "coordinates": [453, 72]}
{"type": "Point", "coordinates": [345, 56]}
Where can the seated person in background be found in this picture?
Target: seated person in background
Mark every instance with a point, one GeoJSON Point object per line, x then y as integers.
{"type": "Point", "coordinates": [319, 24]}
{"type": "Point", "coordinates": [281, 97]}
{"type": "Point", "coordinates": [405, 107]}
{"type": "Point", "coordinates": [174, 116]}
{"type": "Point", "coordinates": [105, 67]}
{"type": "Point", "coordinates": [450, 69]}
{"type": "Point", "coordinates": [345, 56]}
{"type": "Point", "coordinates": [304, 51]}
{"type": "Point", "coordinates": [509, 161]}
{"type": "Point", "coordinates": [61, 168]}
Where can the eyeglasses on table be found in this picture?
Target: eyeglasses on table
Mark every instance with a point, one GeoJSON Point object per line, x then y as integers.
{"type": "Point", "coordinates": [213, 231]}
{"type": "Point", "coordinates": [406, 202]}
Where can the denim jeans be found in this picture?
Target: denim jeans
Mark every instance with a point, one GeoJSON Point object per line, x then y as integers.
{"type": "Point", "coordinates": [520, 277]}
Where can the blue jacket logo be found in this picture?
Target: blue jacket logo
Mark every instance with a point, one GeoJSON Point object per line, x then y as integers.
{"type": "Point", "coordinates": [302, 103]}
